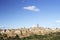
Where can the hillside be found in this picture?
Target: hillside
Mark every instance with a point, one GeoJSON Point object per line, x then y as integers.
{"type": "Point", "coordinates": [51, 36]}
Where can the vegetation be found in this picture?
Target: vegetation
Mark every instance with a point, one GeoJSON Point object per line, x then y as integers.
{"type": "Point", "coordinates": [51, 36]}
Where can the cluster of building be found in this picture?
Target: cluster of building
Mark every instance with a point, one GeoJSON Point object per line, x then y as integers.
{"type": "Point", "coordinates": [24, 32]}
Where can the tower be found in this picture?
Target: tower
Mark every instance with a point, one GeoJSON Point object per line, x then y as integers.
{"type": "Point", "coordinates": [37, 25]}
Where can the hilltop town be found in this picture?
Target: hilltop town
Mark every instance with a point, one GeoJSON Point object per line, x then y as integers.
{"type": "Point", "coordinates": [25, 32]}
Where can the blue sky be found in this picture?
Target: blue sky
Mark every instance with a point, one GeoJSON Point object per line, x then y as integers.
{"type": "Point", "coordinates": [26, 13]}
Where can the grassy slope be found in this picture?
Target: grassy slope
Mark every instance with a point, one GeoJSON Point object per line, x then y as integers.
{"type": "Point", "coordinates": [51, 36]}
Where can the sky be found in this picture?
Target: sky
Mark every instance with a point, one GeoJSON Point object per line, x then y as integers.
{"type": "Point", "coordinates": [27, 13]}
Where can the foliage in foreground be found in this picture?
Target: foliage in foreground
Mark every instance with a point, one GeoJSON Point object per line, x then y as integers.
{"type": "Point", "coordinates": [51, 36]}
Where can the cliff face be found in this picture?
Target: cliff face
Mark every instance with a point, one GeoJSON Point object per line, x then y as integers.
{"type": "Point", "coordinates": [24, 32]}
